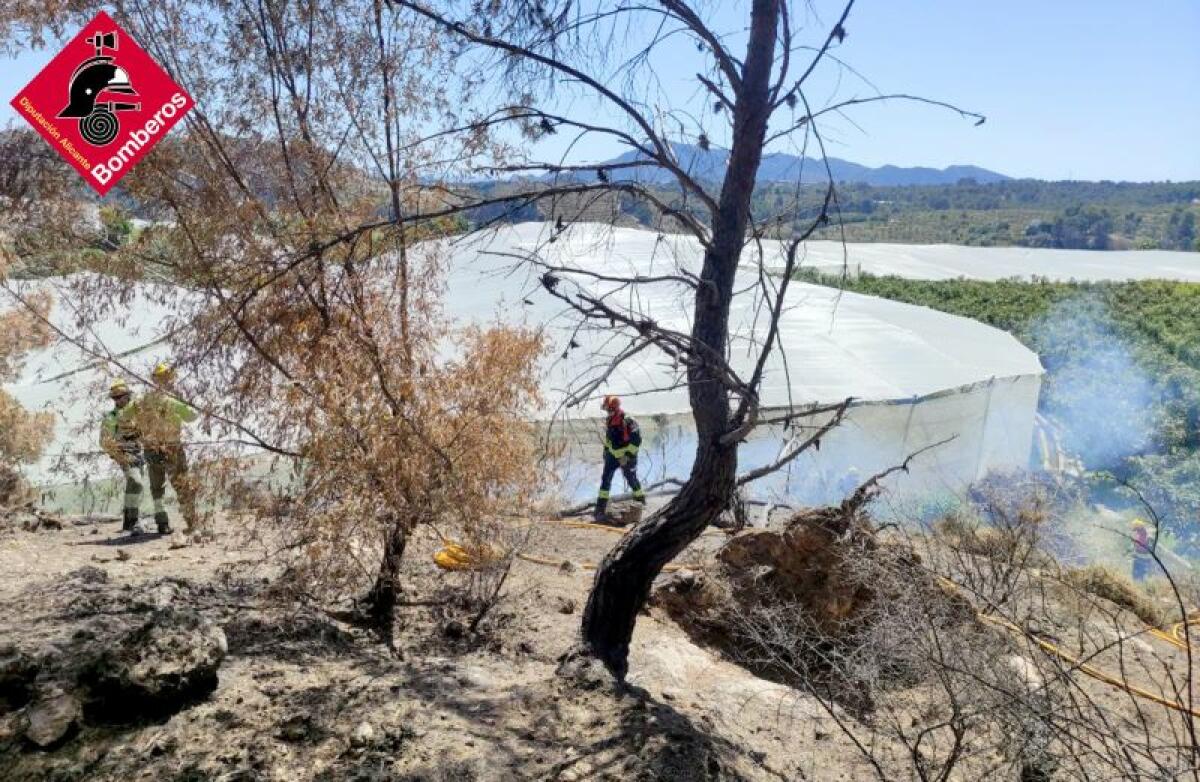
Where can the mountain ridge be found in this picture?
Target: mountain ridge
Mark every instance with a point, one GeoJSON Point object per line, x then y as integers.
{"type": "Point", "coordinates": [709, 164]}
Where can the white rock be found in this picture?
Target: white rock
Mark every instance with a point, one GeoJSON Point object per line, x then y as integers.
{"type": "Point", "coordinates": [1024, 668]}
{"type": "Point", "coordinates": [52, 719]}
{"type": "Point", "coordinates": [1141, 647]}
{"type": "Point", "coordinates": [363, 735]}
{"type": "Point", "coordinates": [165, 595]}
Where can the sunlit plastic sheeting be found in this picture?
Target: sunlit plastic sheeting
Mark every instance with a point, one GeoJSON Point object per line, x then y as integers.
{"type": "Point", "coordinates": [958, 435]}
{"type": "Point", "coordinates": [832, 345]}
{"type": "Point", "coordinates": [920, 376]}
{"type": "Point", "coordinates": [1007, 434]}
{"type": "Point", "coordinates": [981, 427]}
{"type": "Point", "coordinates": [950, 261]}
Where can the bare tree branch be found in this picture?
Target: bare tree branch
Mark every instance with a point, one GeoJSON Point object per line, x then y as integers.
{"type": "Point", "coordinates": [811, 441]}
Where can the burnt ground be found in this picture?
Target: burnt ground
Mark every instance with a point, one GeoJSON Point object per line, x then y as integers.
{"type": "Point", "coordinates": [299, 683]}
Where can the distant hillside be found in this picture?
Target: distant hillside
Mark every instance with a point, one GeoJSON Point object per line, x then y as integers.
{"type": "Point", "coordinates": [779, 167]}
{"type": "Point", "coordinates": [1008, 213]}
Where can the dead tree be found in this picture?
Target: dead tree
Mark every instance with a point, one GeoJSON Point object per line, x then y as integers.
{"type": "Point", "coordinates": [767, 82]}
{"type": "Point", "coordinates": [285, 211]}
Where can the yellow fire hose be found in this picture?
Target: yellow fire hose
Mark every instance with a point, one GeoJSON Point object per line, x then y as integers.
{"type": "Point", "coordinates": [1090, 670]}
{"type": "Point", "coordinates": [1168, 637]}
{"type": "Point", "coordinates": [456, 557]}
{"type": "Point", "coordinates": [1087, 668]}
{"type": "Point", "coordinates": [1178, 633]}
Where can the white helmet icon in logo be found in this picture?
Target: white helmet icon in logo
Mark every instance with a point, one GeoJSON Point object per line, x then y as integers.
{"type": "Point", "coordinates": [98, 122]}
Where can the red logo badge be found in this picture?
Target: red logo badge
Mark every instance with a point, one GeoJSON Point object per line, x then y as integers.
{"type": "Point", "coordinates": [102, 102]}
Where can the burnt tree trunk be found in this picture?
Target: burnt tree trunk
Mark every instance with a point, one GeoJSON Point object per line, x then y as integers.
{"type": "Point", "coordinates": [624, 578]}
{"type": "Point", "coordinates": [385, 592]}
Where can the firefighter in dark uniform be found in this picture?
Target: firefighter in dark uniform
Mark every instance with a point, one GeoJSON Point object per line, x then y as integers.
{"type": "Point", "coordinates": [622, 438]}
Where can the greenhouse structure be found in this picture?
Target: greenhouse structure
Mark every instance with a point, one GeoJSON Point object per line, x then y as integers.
{"type": "Point", "coordinates": [952, 261]}
{"type": "Point", "coordinates": [918, 378]}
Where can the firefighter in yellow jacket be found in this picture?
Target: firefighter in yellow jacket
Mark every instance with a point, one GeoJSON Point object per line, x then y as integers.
{"type": "Point", "coordinates": [160, 417]}
{"type": "Point", "coordinates": [120, 439]}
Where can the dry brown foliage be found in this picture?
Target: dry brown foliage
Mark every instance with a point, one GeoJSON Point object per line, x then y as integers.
{"type": "Point", "coordinates": [813, 603]}
{"type": "Point", "coordinates": [961, 654]}
{"type": "Point", "coordinates": [23, 435]}
{"type": "Point", "coordinates": [43, 225]}
{"type": "Point", "coordinates": [306, 320]}
{"type": "Point", "coordinates": [1102, 581]}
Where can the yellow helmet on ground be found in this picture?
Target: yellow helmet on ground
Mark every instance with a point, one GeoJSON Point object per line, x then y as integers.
{"type": "Point", "coordinates": [163, 371]}
{"type": "Point", "coordinates": [118, 389]}
{"type": "Point", "coordinates": [454, 556]}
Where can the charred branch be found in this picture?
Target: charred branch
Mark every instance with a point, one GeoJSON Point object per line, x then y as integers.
{"type": "Point", "coordinates": [812, 441]}
{"type": "Point", "coordinates": [662, 150]}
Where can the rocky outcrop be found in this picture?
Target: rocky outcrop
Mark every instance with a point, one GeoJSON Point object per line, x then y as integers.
{"type": "Point", "coordinates": [165, 664]}
{"type": "Point", "coordinates": [168, 661]}
{"type": "Point", "coordinates": [811, 563]}
{"type": "Point", "coordinates": [30, 518]}
{"type": "Point", "coordinates": [52, 719]}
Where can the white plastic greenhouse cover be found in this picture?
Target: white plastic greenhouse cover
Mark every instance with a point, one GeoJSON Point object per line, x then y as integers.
{"type": "Point", "coordinates": [920, 376]}
{"type": "Point", "coordinates": [947, 261]}
{"type": "Point", "coordinates": [71, 384]}
{"type": "Point", "coordinates": [833, 344]}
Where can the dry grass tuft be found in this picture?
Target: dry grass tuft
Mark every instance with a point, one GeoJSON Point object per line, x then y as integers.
{"type": "Point", "coordinates": [1102, 581]}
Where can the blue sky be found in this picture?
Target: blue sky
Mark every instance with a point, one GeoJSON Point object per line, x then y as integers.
{"type": "Point", "coordinates": [1083, 89]}
{"type": "Point", "coordinates": [1088, 89]}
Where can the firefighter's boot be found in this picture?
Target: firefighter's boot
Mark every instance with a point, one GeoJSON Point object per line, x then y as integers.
{"type": "Point", "coordinates": [130, 520]}
{"type": "Point", "coordinates": [162, 522]}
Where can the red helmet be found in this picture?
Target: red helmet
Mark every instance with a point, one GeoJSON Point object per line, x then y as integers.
{"type": "Point", "coordinates": [611, 404]}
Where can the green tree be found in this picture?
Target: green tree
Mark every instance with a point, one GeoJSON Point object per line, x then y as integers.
{"type": "Point", "coordinates": [1181, 230]}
